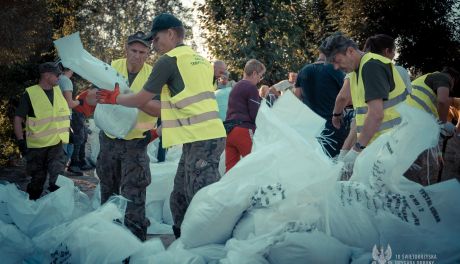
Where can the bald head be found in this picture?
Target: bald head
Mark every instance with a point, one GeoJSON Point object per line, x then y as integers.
{"type": "Point", "coordinates": [219, 68]}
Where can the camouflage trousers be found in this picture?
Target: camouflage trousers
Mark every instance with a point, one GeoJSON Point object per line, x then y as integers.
{"type": "Point", "coordinates": [198, 167]}
{"type": "Point", "coordinates": [425, 168]}
{"type": "Point", "coordinates": [123, 168]}
{"type": "Point", "coordinates": [39, 163]}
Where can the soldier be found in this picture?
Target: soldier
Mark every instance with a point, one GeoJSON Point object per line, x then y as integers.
{"type": "Point", "coordinates": [189, 111]}
{"type": "Point", "coordinates": [46, 114]}
{"type": "Point", "coordinates": [123, 164]}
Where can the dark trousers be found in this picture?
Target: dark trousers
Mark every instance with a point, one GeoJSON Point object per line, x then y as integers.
{"type": "Point", "coordinates": [123, 167]}
{"type": "Point", "coordinates": [43, 161]}
{"type": "Point", "coordinates": [198, 167]}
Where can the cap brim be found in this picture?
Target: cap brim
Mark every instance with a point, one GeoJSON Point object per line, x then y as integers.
{"type": "Point", "coordinates": [149, 36]}
{"type": "Point", "coordinates": [145, 43]}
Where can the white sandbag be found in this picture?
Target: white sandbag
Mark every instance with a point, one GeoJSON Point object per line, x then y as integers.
{"type": "Point", "coordinates": [14, 245]}
{"type": "Point", "coordinates": [116, 120]}
{"type": "Point", "coordinates": [379, 206]}
{"type": "Point", "coordinates": [152, 150]}
{"type": "Point", "coordinates": [162, 180]}
{"type": "Point", "coordinates": [309, 247]}
{"type": "Point", "coordinates": [148, 249]}
{"type": "Point", "coordinates": [93, 141]}
{"type": "Point", "coordinates": [33, 217]}
{"type": "Point", "coordinates": [246, 225]}
{"type": "Point", "coordinates": [92, 238]}
{"type": "Point", "coordinates": [176, 254]}
{"type": "Point", "coordinates": [154, 212]}
{"type": "Point", "coordinates": [254, 249]}
{"type": "Point", "coordinates": [215, 209]}
{"type": "Point", "coordinates": [167, 214]}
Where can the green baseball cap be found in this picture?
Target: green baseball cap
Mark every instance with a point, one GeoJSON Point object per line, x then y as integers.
{"type": "Point", "coordinates": [162, 22]}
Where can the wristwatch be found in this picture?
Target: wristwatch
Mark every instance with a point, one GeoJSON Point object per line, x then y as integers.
{"type": "Point", "coordinates": [359, 146]}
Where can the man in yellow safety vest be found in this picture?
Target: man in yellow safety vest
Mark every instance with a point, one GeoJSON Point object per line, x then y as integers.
{"type": "Point", "coordinates": [47, 118]}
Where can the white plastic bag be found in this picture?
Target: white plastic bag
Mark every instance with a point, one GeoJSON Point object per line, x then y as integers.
{"type": "Point", "coordinates": [285, 151]}
{"type": "Point", "coordinates": [14, 245]}
{"type": "Point", "coordinates": [33, 217]}
{"type": "Point", "coordinates": [92, 238]}
{"type": "Point", "coordinates": [116, 120]}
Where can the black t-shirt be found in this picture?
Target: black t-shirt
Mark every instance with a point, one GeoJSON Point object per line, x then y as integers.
{"type": "Point", "coordinates": [436, 80]}
{"type": "Point", "coordinates": [25, 105]}
{"type": "Point", "coordinates": [132, 77]}
{"type": "Point", "coordinates": [320, 83]}
{"type": "Point", "coordinates": [165, 71]}
{"type": "Point", "coordinates": [377, 79]}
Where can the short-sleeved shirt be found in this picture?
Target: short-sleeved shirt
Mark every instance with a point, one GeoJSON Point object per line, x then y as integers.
{"type": "Point", "coordinates": [243, 104]}
{"type": "Point", "coordinates": [320, 83]}
{"type": "Point", "coordinates": [65, 83]}
{"type": "Point", "coordinates": [165, 71]}
{"type": "Point", "coordinates": [436, 80]}
{"type": "Point", "coordinates": [377, 79]}
{"type": "Point", "coordinates": [25, 105]}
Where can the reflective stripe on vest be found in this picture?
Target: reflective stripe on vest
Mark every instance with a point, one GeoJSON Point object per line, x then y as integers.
{"type": "Point", "coordinates": [144, 121]}
{"type": "Point", "coordinates": [192, 114]}
{"type": "Point", "coordinates": [384, 125]}
{"type": "Point", "coordinates": [188, 101]}
{"type": "Point", "coordinates": [399, 94]}
{"type": "Point", "coordinates": [51, 123]}
{"type": "Point", "coordinates": [47, 132]}
{"type": "Point", "coordinates": [386, 104]}
{"type": "Point", "coordinates": [190, 120]}
{"type": "Point", "coordinates": [428, 93]}
{"type": "Point", "coordinates": [424, 96]}
{"type": "Point", "coordinates": [47, 120]}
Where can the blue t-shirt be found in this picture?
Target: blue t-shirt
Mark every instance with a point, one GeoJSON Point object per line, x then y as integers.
{"type": "Point", "coordinates": [65, 83]}
{"type": "Point", "coordinates": [320, 84]}
{"type": "Point", "coordinates": [222, 101]}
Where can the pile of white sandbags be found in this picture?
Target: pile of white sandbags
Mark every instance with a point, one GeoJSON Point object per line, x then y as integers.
{"type": "Point", "coordinates": [283, 203]}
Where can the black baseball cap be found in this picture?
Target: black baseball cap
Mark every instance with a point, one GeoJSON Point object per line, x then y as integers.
{"type": "Point", "coordinates": [162, 22]}
{"type": "Point", "coordinates": [139, 36]}
{"type": "Point", "coordinates": [52, 67]}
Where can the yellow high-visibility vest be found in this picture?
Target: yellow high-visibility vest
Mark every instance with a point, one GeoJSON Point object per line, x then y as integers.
{"type": "Point", "coordinates": [144, 121]}
{"type": "Point", "coordinates": [399, 94]}
{"type": "Point", "coordinates": [51, 123]}
{"type": "Point", "coordinates": [191, 115]}
{"type": "Point", "coordinates": [424, 96]}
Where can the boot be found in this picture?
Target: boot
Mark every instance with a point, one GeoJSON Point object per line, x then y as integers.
{"type": "Point", "coordinates": [176, 231]}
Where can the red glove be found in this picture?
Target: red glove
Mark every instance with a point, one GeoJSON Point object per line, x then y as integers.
{"type": "Point", "coordinates": [153, 135]}
{"type": "Point", "coordinates": [108, 97]}
{"type": "Point", "coordinates": [84, 107]}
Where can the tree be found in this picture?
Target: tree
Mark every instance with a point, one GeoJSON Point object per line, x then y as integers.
{"type": "Point", "coordinates": [105, 24]}
{"type": "Point", "coordinates": [424, 29]}
{"type": "Point", "coordinates": [274, 32]}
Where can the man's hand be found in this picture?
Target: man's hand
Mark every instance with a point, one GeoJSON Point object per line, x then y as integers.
{"type": "Point", "coordinates": [108, 97]}
{"type": "Point", "coordinates": [337, 120]}
{"type": "Point", "coordinates": [22, 145]}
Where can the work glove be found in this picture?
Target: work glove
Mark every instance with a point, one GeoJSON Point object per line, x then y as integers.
{"type": "Point", "coordinates": [108, 97]}
{"type": "Point", "coordinates": [22, 145]}
{"type": "Point", "coordinates": [150, 135]}
{"type": "Point", "coordinates": [349, 162]}
{"type": "Point", "coordinates": [342, 154]}
{"type": "Point", "coordinates": [447, 130]}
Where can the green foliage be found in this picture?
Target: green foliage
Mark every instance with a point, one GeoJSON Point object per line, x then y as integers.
{"type": "Point", "coordinates": [424, 29]}
{"type": "Point", "coordinates": [105, 25]}
{"type": "Point", "coordinates": [274, 32]}
{"type": "Point", "coordinates": [8, 148]}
